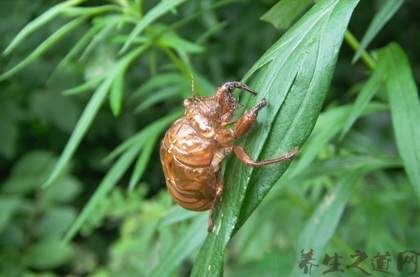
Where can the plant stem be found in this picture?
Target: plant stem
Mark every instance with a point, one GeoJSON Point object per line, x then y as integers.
{"type": "Point", "coordinates": [354, 44]}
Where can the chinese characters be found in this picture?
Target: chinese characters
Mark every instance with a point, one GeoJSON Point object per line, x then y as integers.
{"type": "Point", "coordinates": [379, 262]}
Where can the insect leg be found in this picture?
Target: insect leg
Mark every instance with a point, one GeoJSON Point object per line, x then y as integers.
{"type": "Point", "coordinates": [246, 121]}
{"type": "Point", "coordinates": [224, 124]}
{"type": "Point", "coordinates": [219, 190]}
{"type": "Point", "coordinates": [240, 152]}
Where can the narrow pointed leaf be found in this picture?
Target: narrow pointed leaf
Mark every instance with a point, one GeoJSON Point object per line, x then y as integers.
{"type": "Point", "coordinates": [295, 79]}
{"type": "Point", "coordinates": [141, 137]}
{"type": "Point", "coordinates": [90, 84]}
{"type": "Point", "coordinates": [79, 132]}
{"type": "Point", "coordinates": [405, 111]}
{"type": "Point", "coordinates": [361, 143]}
{"type": "Point", "coordinates": [142, 161]}
{"type": "Point", "coordinates": [315, 52]}
{"type": "Point", "coordinates": [365, 95]}
{"type": "Point", "coordinates": [115, 174]}
{"type": "Point", "coordinates": [116, 94]}
{"type": "Point", "coordinates": [323, 222]}
{"type": "Point", "coordinates": [329, 125]}
{"type": "Point", "coordinates": [39, 22]}
{"type": "Point", "coordinates": [105, 27]}
{"type": "Point", "coordinates": [389, 8]}
{"type": "Point", "coordinates": [156, 12]}
{"type": "Point", "coordinates": [159, 81]}
{"type": "Point", "coordinates": [109, 181]}
{"type": "Point", "coordinates": [339, 165]}
{"type": "Point", "coordinates": [90, 112]}
{"type": "Point", "coordinates": [158, 96]}
{"type": "Point", "coordinates": [188, 242]}
{"type": "Point", "coordinates": [177, 214]}
{"type": "Point", "coordinates": [75, 11]}
{"type": "Point", "coordinates": [282, 14]}
{"type": "Point", "coordinates": [74, 51]}
{"type": "Point", "coordinates": [43, 47]}
{"type": "Point", "coordinates": [181, 44]}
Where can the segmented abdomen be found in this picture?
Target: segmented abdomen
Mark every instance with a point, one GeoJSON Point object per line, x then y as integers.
{"type": "Point", "coordinates": [185, 183]}
{"type": "Point", "coordinates": [186, 160]}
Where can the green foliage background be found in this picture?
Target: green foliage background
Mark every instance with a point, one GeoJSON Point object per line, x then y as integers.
{"type": "Point", "coordinates": [88, 88]}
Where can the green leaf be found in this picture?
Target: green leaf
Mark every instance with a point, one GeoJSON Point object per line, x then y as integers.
{"type": "Point", "coordinates": [176, 214]}
{"type": "Point", "coordinates": [48, 253]}
{"type": "Point", "coordinates": [283, 260]}
{"type": "Point", "coordinates": [159, 81]}
{"type": "Point", "coordinates": [388, 9]}
{"type": "Point", "coordinates": [30, 172]}
{"type": "Point", "coordinates": [116, 172]}
{"type": "Point", "coordinates": [266, 266]}
{"type": "Point", "coordinates": [328, 125]}
{"type": "Point", "coordinates": [211, 31]}
{"type": "Point", "coordinates": [137, 139]}
{"type": "Point", "coordinates": [276, 250]}
{"type": "Point", "coordinates": [141, 137]}
{"type": "Point", "coordinates": [158, 96]}
{"type": "Point", "coordinates": [90, 112]}
{"type": "Point", "coordinates": [54, 222]}
{"type": "Point", "coordinates": [324, 220]}
{"type": "Point", "coordinates": [43, 47]}
{"type": "Point", "coordinates": [39, 22]}
{"type": "Point", "coordinates": [282, 14]}
{"type": "Point", "coordinates": [189, 241]}
{"type": "Point", "coordinates": [110, 179]}
{"type": "Point", "coordinates": [338, 165]}
{"type": "Point", "coordinates": [83, 10]}
{"type": "Point", "coordinates": [180, 44]}
{"type": "Point", "coordinates": [80, 130]}
{"type": "Point", "coordinates": [9, 131]}
{"type": "Point", "coordinates": [143, 160]}
{"type": "Point", "coordinates": [53, 108]}
{"type": "Point", "coordinates": [54, 194]}
{"type": "Point", "coordinates": [360, 143]}
{"type": "Point", "coordinates": [106, 25]}
{"type": "Point", "coordinates": [366, 93]}
{"type": "Point", "coordinates": [405, 110]}
{"type": "Point", "coordinates": [296, 77]}
{"type": "Point", "coordinates": [295, 117]}
{"type": "Point", "coordinates": [116, 94]}
{"type": "Point", "coordinates": [97, 30]}
{"type": "Point", "coordinates": [284, 271]}
{"type": "Point", "coordinates": [83, 41]}
{"type": "Point", "coordinates": [156, 12]}
{"type": "Point", "coordinates": [8, 205]}
{"type": "Point", "coordinates": [268, 257]}
{"type": "Point", "coordinates": [91, 84]}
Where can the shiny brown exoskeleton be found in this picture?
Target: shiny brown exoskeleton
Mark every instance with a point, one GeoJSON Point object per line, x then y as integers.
{"type": "Point", "coordinates": [194, 147]}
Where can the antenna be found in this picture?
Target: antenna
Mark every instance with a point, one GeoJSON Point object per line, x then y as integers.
{"type": "Point", "coordinates": [193, 93]}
